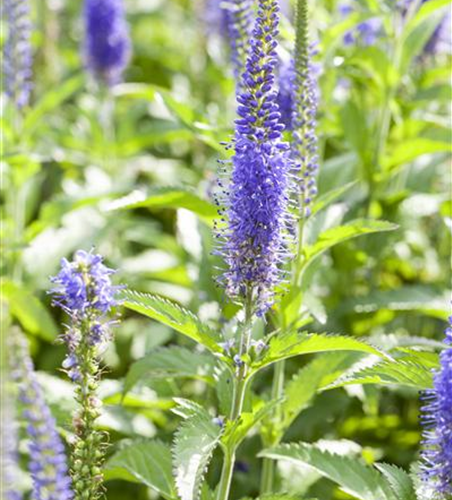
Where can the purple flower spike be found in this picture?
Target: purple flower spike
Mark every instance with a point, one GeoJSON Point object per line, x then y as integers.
{"type": "Point", "coordinates": [85, 292]}
{"type": "Point", "coordinates": [257, 194]}
{"type": "Point", "coordinates": [437, 422]}
{"type": "Point", "coordinates": [48, 467]}
{"type": "Point", "coordinates": [18, 57]}
{"type": "Point", "coordinates": [107, 45]}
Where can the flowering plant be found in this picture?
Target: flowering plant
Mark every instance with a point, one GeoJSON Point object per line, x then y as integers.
{"type": "Point", "coordinates": [262, 336]}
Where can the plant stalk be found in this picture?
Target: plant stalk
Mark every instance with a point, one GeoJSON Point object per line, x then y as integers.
{"type": "Point", "coordinates": [240, 385]}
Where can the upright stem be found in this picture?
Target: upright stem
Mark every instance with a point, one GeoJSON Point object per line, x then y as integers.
{"type": "Point", "coordinates": [240, 384]}
{"type": "Point", "coordinates": [268, 467]}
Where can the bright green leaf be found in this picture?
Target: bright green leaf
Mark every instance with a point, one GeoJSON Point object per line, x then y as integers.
{"type": "Point", "coordinates": [173, 315]}
{"type": "Point", "coordinates": [353, 476]}
{"type": "Point", "coordinates": [353, 229]}
{"type": "Point", "coordinates": [29, 311]}
{"type": "Point", "coordinates": [297, 343]}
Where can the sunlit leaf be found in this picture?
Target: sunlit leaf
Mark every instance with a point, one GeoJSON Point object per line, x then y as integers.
{"type": "Point", "coordinates": [173, 315]}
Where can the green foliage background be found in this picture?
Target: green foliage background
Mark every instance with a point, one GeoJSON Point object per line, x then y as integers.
{"type": "Point", "coordinates": [131, 175]}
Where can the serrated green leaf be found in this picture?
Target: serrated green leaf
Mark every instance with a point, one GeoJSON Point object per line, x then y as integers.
{"type": "Point", "coordinates": [300, 390]}
{"type": "Point", "coordinates": [29, 311]}
{"type": "Point", "coordinates": [173, 315]}
{"type": "Point", "coordinates": [170, 362]}
{"type": "Point", "coordinates": [168, 198]}
{"type": "Point", "coordinates": [148, 463]}
{"type": "Point", "coordinates": [194, 444]}
{"type": "Point", "coordinates": [339, 234]}
{"type": "Point", "coordinates": [354, 477]}
{"type": "Point", "coordinates": [399, 481]}
{"type": "Point", "coordinates": [224, 388]}
{"type": "Point", "coordinates": [296, 343]}
{"type": "Point", "coordinates": [409, 372]}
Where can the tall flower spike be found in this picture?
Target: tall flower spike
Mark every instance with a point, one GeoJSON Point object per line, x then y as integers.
{"type": "Point", "coordinates": [107, 45]}
{"type": "Point", "coordinates": [84, 290]}
{"type": "Point", "coordinates": [305, 98]}
{"type": "Point", "coordinates": [437, 422]}
{"type": "Point", "coordinates": [257, 193]}
{"type": "Point", "coordinates": [48, 468]}
{"type": "Point", "coordinates": [18, 58]}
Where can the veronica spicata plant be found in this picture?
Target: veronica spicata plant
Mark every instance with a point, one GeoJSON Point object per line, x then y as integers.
{"type": "Point", "coordinates": [85, 292]}
{"type": "Point", "coordinates": [47, 465]}
{"type": "Point", "coordinates": [106, 46]}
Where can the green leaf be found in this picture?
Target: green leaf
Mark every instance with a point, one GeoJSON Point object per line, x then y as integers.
{"type": "Point", "coordinates": [173, 315]}
{"type": "Point", "coordinates": [399, 481]}
{"type": "Point", "coordinates": [339, 234]}
{"type": "Point", "coordinates": [147, 462]}
{"type": "Point", "coordinates": [51, 100]}
{"type": "Point", "coordinates": [29, 311]}
{"type": "Point", "coordinates": [326, 199]}
{"type": "Point", "coordinates": [354, 477]}
{"type": "Point", "coordinates": [303, 386]}
{"type": "Point", "coordinates": [411, 149]}
{"type": "Point", "coordinates": [168, 198]}
{"type": "Point", "coordinates": [194, 444]}
{"type": "Point", "coordinates": [296, 343]}
{"type": "Point", "coordinates": [170, 362]}
{"type": "Point", "coordinates": [409, 371]}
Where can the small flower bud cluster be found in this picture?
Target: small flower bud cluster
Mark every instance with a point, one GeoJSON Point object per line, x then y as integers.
{"type": "Point", "coordinates": [107, 45]}
{"type": "Point", "coordinates": [85, 292]}
{"type": "Point", "coordinates": [17, 52]}
{"type": "Point", "coordinates": [47, 465]}
{"type": "Point", "coordinates": [437, 421]}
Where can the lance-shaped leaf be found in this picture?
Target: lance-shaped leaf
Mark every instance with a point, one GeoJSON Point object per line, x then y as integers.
{"type": "Point", "coordinates": [167, 198]}
{"type": "Point", "coordinates": [147, 462]}
{"type": "Point", "coordinates": [173, 315]}
{"type": "Point", "coordinates": [171, 362]}
{"type": "Point", "coordinates": [296, 343]}
{"type": "Point", "coordinates": [194, 444]}
{"type": "Point", "coordinates": [339, 234]}
{"type": "Point", "coordinates": [413, 370]}
{"type": "Point", "coordinates": [353, 476]}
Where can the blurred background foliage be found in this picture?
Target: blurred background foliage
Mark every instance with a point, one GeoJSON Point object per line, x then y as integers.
{"type": "Point", "coordinates": [131, 173]}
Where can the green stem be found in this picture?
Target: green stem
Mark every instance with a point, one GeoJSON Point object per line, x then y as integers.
{"type": "Point", "coordinates": [240, 384]}
{"type": "Point", "coordinates": [268, 467]}
{"type": "Point", "coordinates": [227, 471]}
